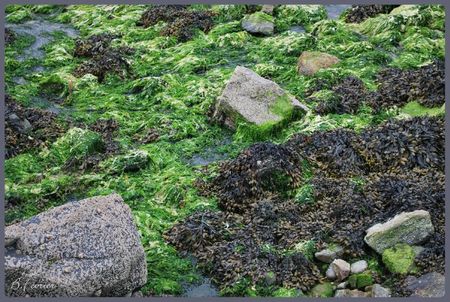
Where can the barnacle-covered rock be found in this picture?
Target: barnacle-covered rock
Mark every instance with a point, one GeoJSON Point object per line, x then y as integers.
{"type": "Point", "coordinates": [86, 248]}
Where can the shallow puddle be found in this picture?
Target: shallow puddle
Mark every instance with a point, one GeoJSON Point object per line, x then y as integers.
{"type": "Point", "coordinates": [334, 11]}
{"type": "Point", "coordinates": [42, 30]}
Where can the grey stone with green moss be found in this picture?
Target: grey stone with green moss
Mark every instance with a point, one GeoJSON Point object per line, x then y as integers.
{"type": "Point", "coordinates": [323, 290]}
{"type": "Point", "coordinates": [255, 100]}
{"type": "Point", "coordinates": [329, 254]}
{"type": "Point", "coordinates": [360, 280]}
{"type": "Point", "coordinates": [408, 227]}
{"type": "Point", "coordinates": [258, 23]}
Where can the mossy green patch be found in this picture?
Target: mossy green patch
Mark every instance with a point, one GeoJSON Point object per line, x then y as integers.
{"type": "Point", "coordinates": [416, 109]}
{"type": "Point", "coordinates": [399, 259]}
{"type": "Point", "coordinates": [360, 280]}
{"type": "Point", "coordinates": [75, 144]}
{"type": "Point", "coordinates": [323, 290]}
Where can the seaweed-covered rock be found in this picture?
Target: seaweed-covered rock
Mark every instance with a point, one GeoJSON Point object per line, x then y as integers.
{"type": "Point", "coordinates": [10, 36]}
{"type": "Point", "coordinates": [310, 62]}
{"type": "Point", "coordinates": [86, 248]}
{"type": "Point", "coordinates": [27, 128]}
{"type": "Point", "coordinates": [396, 87]}
{"type": "Point", "coordinates": [107, 62]}
{"type": "Point", "coordinates": [258, 23]}
{"type": "Point", "coordinates": [410, 228]}
{"type": "Point", "coordinates": [323, 290]}
{"type": "Point", "coordinates": [180, 22]}
{"type": "Point", "coordinates": [359, 13]}
{"type": "Point", "coordinates": [430, 285]}
{"type": "Point", "coordinates": [254, 99]}
{"type": "Point", "coordinates": [262, 170]}
{"type": "Point", "coordinates": [93, 45]}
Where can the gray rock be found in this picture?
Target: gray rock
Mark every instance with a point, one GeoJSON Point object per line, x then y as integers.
{"type": "Point", "coordinates": [137, 294]}
{"type": "Point", "coordinates": [343, 293]}
{"type": "Point", "coordinates": [21, 125]}
{"type": "Point", "coordinates": [341, 269]}
{"type": "Point", "coordinates": [258, 23]}
{"type": "Point", "coordinates": [250, 97]}
{"type": "Point", "coordinates": [408, 227]}
{"type": "Point", "coordinates": [418, 249]}
{"type": "Point", "coordinates": [377, 291]}
{"type": "Point", "coordinates": [26, 125]}
{"type": "Point", "coordinates": [330, 273]}
{"type": "Point", "coordinates": [268, 9]}
{"type": "Point", "coordinates": [85, 248]}
{"type": "Point", "coordinates": [358, 266]}
{"type": "Point", "coordinates": [310, 62]}
{"type": "Point", "coordinates": [329, 254]}
{"type": "Point", "coordinates": [428, 285]}
{"type": "Point", "coordinates": [342, 285]}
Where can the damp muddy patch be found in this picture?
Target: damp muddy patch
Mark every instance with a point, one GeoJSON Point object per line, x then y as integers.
{"type": "Point", "coordinates": [42, 30]}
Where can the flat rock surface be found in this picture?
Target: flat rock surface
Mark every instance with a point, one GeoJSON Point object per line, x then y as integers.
{"type": "Point", "coordinates": [84, 248]}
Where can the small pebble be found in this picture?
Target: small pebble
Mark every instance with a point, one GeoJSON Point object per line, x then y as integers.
{"type": "Point", "coordinates": [359, 267]}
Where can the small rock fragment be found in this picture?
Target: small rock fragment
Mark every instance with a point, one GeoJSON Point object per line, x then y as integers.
{"type": "Point", "coordinates": [330, 273]}
{"type": "Point", "coordinates": [378, 291]}
{"type": "Point", "coordinates": [341, 268]}
{"type": "Point", "coordinates": [358, 266]}
{"type": "Point", "coordinates": [341, 293]}
{"type": "Point", "coordinates": [329, 254]}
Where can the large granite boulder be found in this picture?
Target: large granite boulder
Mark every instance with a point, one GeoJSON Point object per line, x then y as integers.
{"type": "Point", "coordinates": [85, 248]}
{"type": "Point", "coordinates": [408, 227]}
{"type": "Point", "coordinates": [311, 62]}
{"type": "Point", "coordinates": [253, 99]}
